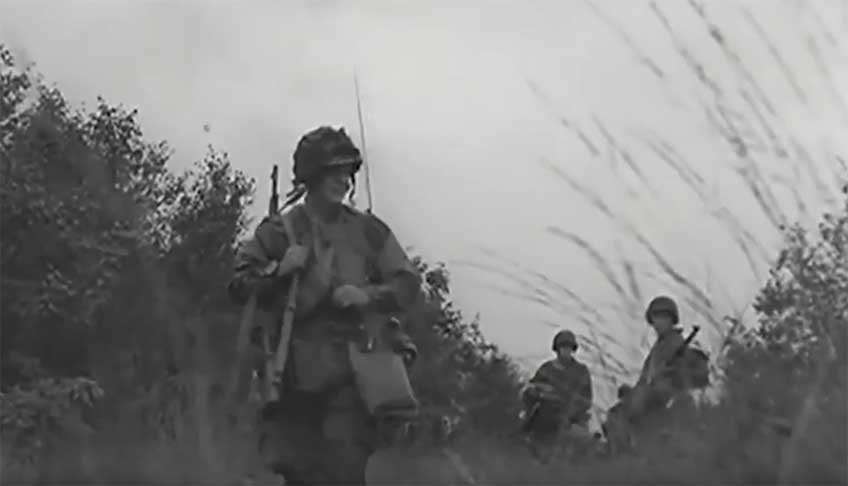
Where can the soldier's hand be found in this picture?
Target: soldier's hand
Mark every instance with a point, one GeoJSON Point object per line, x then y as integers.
{"type": "Point", "coordinates": [350, 296]}
{"type": "Point", "coordinates": [294, 259]}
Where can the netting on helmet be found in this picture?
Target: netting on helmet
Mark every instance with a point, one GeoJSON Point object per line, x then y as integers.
{"type": "Point", "coordinates": [318, 150]}
{"type": "Point", "coordinates": [323, 148]}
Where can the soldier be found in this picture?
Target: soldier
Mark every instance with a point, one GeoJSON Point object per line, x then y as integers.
{"type": "Point", "coordinates": [559, 396]}
{"type": "Point", "coordinates": [614, 427]}
{"type": "Point", "coordinates": [655, 384]}
{"type": "Point", "coordinates": [665, 376]}
{"type": "Point", "coordinates": [351, 266]}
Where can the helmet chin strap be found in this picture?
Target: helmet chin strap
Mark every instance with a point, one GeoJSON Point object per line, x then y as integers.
{"type": "Point", "coordinates": [299, 190]}
{"type": "Point", "coordinates": [352, 194]}
{"type": "Point", "coordinates": [294, 195]}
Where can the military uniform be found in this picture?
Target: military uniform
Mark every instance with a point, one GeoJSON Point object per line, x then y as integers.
{"type": "Point", "coordinates": [656, 375]}
{"type": "Point", "coordinates": [321, 431]}
{"type": "Point", "coordinates": [571, 383]}
{"type": "Point", "coordinates": [662, 380]}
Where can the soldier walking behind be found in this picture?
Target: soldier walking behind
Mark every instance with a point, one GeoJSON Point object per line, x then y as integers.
{"type": "Point", "coordinates": [670, 370]}
{"type": "Point", "coordinates": [557, 397]}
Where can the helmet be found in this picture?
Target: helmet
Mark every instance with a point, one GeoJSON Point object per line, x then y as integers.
{"type": "Point", "coordinates": [321, 148]}
{"type": "Point", "coordinates": [564, 338]}
{"type": "Point", "coordinates": [663, 304]}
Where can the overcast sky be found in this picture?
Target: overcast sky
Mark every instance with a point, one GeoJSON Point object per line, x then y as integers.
{"type": "Point", "coordinates": [456, 134]}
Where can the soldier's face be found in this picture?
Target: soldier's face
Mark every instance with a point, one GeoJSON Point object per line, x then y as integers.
{"type": "Point", "coordinates": [565, 351]}
{"type": "Point", "coordinates": [334, 184]}
{"type": "Point", "coordinates": [661, 321]}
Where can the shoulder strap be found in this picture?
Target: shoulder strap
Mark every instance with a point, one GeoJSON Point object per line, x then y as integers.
{"type": "Point", "coordinates": [289, 228]}
{"type": "Point", "coordinates": [299, 226]}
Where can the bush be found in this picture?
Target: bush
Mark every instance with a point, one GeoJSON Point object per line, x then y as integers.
{"type": "Point", "coordinates": [109, 262]}
{"type": "Point", "coordinates": [781, 409]}
{"type": "Point", "coordinates": [117, 332]}
{"type": "Point", "coordinates": [129, 274]}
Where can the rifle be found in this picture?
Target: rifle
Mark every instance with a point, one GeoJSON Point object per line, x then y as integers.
{"type": "Point", "coordinates": [275, 363]}
{"type": "Point", "coordinates": [678, 353]}
{"type": "Point", "coordinates": [641, 395]}
{"type": "Point", "coordinates": [244, 363]}
{"type": "Point", "coordinates": [533, 413]}
{"type": "Point", "coordinates": [274, 200]}
{"type": "Point", "coordinates": [530, 418]}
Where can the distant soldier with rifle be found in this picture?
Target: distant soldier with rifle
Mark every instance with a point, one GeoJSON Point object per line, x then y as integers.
{"type": "Point", "coordinates": [558, 397]}
{"type": "Point", "coordinates": [323, 280]}
{"type": "Point", "coordinates": [670, 371]}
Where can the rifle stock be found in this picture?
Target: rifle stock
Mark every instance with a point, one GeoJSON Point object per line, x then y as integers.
{"type": "Point", "coordinates": [276, 364]}
{"type": "Point", "coordinates": [240, 381]}
{"type": "Point", "coordinates": [243, 373]}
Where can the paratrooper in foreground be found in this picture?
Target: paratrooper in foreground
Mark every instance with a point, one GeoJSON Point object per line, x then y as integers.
{"type": "Point", "coordinates": [343, 381]}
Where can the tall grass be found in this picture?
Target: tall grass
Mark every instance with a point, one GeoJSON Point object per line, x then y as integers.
{"type": "Point", "coordinates": [784, 175]}
{"type": "Point", "coordinates": [755, 144]}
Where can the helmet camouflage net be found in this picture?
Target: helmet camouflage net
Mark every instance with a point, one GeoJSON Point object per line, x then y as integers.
{"type": "Point", "coordinates": [322, 148]}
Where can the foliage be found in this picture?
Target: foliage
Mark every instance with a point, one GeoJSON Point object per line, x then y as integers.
{"type": "Point", "coordinates": [113, 271]}
{"type": "Point", "coordinates": [791, 368]}
{"type": "Point", "coordinates": [781, 413]}
{"type": "Point", "coordinates": [103, 250]}
{"type": "Point", "coordinates": [33, 414]}
{"type": "Point", "coordinates": [107, 251]}
{"type": "Point", "coordinates": [459, 370]}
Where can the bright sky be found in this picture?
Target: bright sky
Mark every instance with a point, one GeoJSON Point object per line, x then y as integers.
{"type": "Point", "coordinates": [456, 134]}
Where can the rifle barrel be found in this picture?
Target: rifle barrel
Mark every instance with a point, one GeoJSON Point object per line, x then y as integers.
{"type": "Point", "coordinates": [274, 202]}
